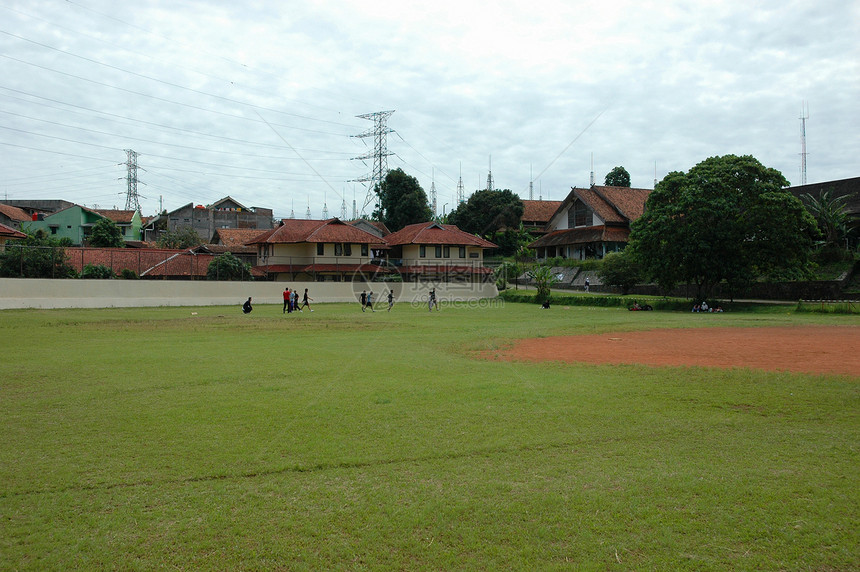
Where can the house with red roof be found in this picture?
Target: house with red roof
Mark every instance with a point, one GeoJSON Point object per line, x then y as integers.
{"type": "Point", "coordinates": [9, 233]}
{"type": "Point", "coordinates": [589, 223]}
{"type": "Point", "coordinates": [318, 250]}
{"type": "Point", "coordinates": [434, 251]}
{"type": "Point", "coordinates": [537, 214]}
{"type": "Point", "coordinates": [12, 216]}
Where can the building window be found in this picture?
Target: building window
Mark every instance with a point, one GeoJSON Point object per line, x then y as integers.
{"type": "Point", "coordinates": [364, 250]}
{"type": "Point", "coordinates": [347, 249]}
{"type": "Point", "coordinates": [422, 251]}
{"type": "Point", "coordinates": [338, 249]}
{"type": "Point", "coordinates": [579, 215]}
{"type": "Point", "coordinates": [53, 230]}
{"type": "Point", "coordinates": [438, 251]}
{"type": "Point", "coordinates": [320, 249]}
{"type": "Point", "coordinates": [462, 252]}
{"type": "Point", "coordinates": [446, 252]}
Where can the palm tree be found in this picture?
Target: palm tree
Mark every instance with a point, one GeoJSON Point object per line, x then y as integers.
{"type": "Point", "coordinates": [830, 214]}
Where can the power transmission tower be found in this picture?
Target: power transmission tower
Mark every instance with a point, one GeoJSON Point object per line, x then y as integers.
{"type": "Point", "coordinates": [131, 199]}
{"type": "Point", "coordinates": [490, 184]}
{"type": "Point", "coordinates": [325, 209]}
{"type": "Point", "coordinates": [804, 115]}
{"type": "Point", "coordinates": [379, 154]}
{"type": "Point", "coordinates": [343, 209]}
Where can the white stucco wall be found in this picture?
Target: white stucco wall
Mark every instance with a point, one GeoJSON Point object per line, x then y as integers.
{"type": "Point", "coordinates": [77, 293]}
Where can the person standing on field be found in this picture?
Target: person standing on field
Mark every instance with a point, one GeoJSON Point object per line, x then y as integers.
{"type": "Point", "coordinates": [363, 299]}
{"type": "Point", "coordinates": [431, 301]}
{"type": "Point", "coordinates": [305, 300]}
{"type": "Point", "coordinates": [370, 301]}
{"type": "Point", "coordinates": [286, 299]}
{"type": "Point", "coordinates": [294, 300]}
{"type": "Point", "coordinates": [390, 299]}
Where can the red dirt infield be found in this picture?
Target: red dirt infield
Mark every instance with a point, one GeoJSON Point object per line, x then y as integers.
{"type": "Point", "coordinates": [803, 349]}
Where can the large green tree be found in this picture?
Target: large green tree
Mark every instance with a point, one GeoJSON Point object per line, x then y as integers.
{"type": "Point", "coordinates": [617, 177]}
{"type": "Point", "coordinates": [488, 211]}
{"type": "Point", "coordinates": [402, 201]}
{"type": "Point", "coordinates": [228, 267]}
{"type": "Point", "coordinates": [106, 234]}
{"type": "Point", "coordinates": [729, 218]}
{"type": "Point", "coordinates": [185, 237]}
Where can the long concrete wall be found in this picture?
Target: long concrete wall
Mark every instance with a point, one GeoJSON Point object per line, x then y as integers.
{"type": "Point", "coordinates": [77, 293]}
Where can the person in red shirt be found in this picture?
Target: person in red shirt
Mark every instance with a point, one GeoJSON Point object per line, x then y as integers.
{"type": "Point", "coordinates": [287, 300]}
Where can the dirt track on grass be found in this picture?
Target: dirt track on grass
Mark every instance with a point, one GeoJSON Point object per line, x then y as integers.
{"type": "Point", "coordinates": [805, 349]}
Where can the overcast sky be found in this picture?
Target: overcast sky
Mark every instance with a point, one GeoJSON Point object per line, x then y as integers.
{"type": "Point", "coordinates": [258, 100]}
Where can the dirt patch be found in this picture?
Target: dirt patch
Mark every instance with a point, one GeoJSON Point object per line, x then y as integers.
{"type": "Point", "coordinates": [805, 349]}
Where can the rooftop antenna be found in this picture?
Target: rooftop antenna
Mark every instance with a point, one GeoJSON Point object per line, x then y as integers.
{"type": "Point", "coordinates": [490, 185]}
{"type": "Point", "coordinates": [380, 153]}
{"type": "Point", "coordinates": [433, 193]}
{"type": "Point", "coordinates": [592, 169]}
{"type": "Point", "coordinates": [804, 115]}
{"type": "Point", "coordinates": [292, 210]}
{"type": "Point", "coordinates": [461, 193]}
{"type": "Point", "coordinates": [531, 185]}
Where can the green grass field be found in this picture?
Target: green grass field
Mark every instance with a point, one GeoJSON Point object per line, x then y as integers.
{"type": "Point", "coordinates": [337, 440]}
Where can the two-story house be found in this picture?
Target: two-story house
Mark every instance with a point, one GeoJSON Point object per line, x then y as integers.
{"type": "Point", "coordinates": [76, 223]}
{"type": "Point", "coordinates": [318, 250]}
{"type": "Point", "coordinates": [591, 222]}
{"type": "Point", "coordinates": [434, 251]}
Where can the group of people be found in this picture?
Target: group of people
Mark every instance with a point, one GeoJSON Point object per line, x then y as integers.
{"type": "Point", "coordinates": [291, 301]}
{"type": "Point", "coordinates": [366, 300]}
{"type": "Point", "coordinates": [703, 307]}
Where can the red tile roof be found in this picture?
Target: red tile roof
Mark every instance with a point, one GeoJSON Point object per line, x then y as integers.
{"type": "Point", "coordinates": [539, 211]}
{"type": "Point", "coordinates": [143, 261]}
{"type": "Point", "coordinates": [435, 233]}
{"type": "Point", "coordinates": [582, 235]}
{"type": "Point", "coordinates": [630, 202]}
{"type": "Point", "coordinates": [331, 230]}
{"type": "Point", "coordinates": [14, 213]}
{"type": "Point", "coordinates": [118, 216]}
{"type": "Point", "coordinates": [304, 268]}
{"type": "Point", "coordinates": [9, 232]}
{"type": "Point", "coordinates": [237, 237]}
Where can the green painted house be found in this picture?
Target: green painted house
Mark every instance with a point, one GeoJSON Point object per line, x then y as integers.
{"type": "Point", "coordinates": [76, 223]}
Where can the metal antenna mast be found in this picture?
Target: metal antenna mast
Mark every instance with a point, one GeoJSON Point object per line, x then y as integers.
{"type": "Point", "coordinates": [325, 208]}
{"type": "Point", "coordinates": [433, 193]}
{"type": "Point", "coordinates": [379, 154]}
{"type": "Point", "coordinates": [131, 199]}
{"type": "Point", "coordinates": [531, 185]}
{"type": "Point", "coordinates": [490, 184]}
{"type": "Point", "coordinates": [343, 207]}
{"type": "Point", "coordinates": [308, 213]}
{"type": "Point", "coordinates": [461, 193]}
{"type": "Point", "coordinates": [804, 115]}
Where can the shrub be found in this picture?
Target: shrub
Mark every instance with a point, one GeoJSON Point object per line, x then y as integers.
{"type": "Point", "coordinates": [97, 272]}
{"type": "Point", "coordinates": [128, 274]}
